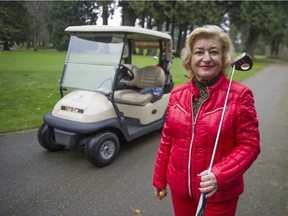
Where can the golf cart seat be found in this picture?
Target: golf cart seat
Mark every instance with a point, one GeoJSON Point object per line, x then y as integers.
{"type": "Point", "coordinates": [146, 87]}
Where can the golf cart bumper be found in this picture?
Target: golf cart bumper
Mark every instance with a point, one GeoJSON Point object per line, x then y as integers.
{"type": "Point", "coordinates": [66, 138]}
{"type": "Point", "coordinates": [79, 127]}
{"type": "Point", "coordinates": [70, 133]}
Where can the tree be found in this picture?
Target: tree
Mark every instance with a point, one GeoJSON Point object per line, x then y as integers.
{"type": "Point", "coordinates": [157, 14]}
{"type": "Point", "coordinates": [128, 13]}
{"type": "Point", "coordinates": [197, 13]}
{"type": "Point", "coordinates": [108, 8]}
{"type": "Point", "coordinates": [255, 19]}
{"type": "Point", "coordinates": [277, 28]}
{"type": "Point", "coordinates": [64, 14]}
{"type": "Point", "coordinates": [38, 14]}
{"type": "Point", "coordinates": [13, 23]}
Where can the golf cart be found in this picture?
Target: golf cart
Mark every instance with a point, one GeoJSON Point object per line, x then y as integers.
{"type": "Point", "coordinates": [107, 97]}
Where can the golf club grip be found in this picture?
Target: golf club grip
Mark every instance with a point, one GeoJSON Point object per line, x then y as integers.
{"type": "Point", "coordinates": [201, 205]}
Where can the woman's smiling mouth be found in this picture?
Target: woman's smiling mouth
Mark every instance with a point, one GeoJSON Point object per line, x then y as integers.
{"type": "Point", "coordinates": [206, 67]}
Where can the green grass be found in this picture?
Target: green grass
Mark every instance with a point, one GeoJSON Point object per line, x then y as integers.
{"type": "Point", "coordinates": [29, 84]}
{"type": "Point", "coordinates": [29, 87]}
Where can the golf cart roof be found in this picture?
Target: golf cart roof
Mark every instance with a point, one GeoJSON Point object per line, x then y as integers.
{"type": "Point", "coordinates": [137, 33]}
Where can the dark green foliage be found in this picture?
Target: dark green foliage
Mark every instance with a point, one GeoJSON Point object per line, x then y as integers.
{"type": "Point", "coordinates": [13, 23]}
{"type": "Point", "coordinates": [254, 20]}
{"type": "Point", "coordinates": [68, 13]}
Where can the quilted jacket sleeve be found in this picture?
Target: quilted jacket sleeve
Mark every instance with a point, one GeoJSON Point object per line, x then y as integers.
{"type": "Point", "coordinates": [160, 170]}
{"type": "Point", "coordinates": [247, 147]}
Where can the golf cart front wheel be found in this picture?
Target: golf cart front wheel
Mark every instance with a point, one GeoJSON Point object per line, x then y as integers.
{"type": "Point", "coordinates": [102, 149]}
{"type": "Point", "coordinates": [46, 138]}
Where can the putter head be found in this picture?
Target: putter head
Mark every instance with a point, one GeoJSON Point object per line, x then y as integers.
{"type": "Point", "coordinates": [243, 62]}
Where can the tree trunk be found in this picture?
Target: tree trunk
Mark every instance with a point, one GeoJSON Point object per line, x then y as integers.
{"type": "Point", "coordinates": [6, 46]}
{"type": "Point", "coordinates": [128, 15]}
{"type": "Point", "coordinates": [252, 41]}
{"type": "Point", "coordinates": [178, 47]}
{"type": "Point", "coordinates": [172, 31]}
{"type": "Point", "coordinates": [275, 45]}
{"type": "Point", "coordinates": [142, 22]}
{"type": "Point", "coordinates": [105, 14]}
{"type": "Point", "coordinates": [35, 40]}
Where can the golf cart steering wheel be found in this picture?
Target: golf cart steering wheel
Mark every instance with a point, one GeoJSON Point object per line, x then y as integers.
{"type": "Point", "coordinates": [126, 73]}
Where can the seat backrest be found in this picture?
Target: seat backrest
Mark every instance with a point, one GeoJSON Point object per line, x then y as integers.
{"type": "Point", "coordinates": [150, 76]}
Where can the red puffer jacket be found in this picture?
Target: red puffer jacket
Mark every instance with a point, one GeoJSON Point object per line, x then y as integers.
{"type": "Point", "coordinates": [186, 148]}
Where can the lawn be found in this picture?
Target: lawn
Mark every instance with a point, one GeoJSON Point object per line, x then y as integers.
{"type": "Point", "coordinates": [29, 85]}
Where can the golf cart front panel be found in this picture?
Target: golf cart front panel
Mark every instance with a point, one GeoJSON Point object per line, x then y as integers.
{"type": "Point", "coordinates": [84, 106]}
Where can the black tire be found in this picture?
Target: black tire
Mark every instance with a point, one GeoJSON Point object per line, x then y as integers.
{"type": "Point", "coordinates": [102, 149]}
{"type": "Point", "coordinates": [47, 140]}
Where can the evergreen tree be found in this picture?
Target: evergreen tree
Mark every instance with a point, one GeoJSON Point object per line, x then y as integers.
{"type": "Point", "coordinates": [13, 23]}
{"type": "Point", "coordinates": [68, 13]}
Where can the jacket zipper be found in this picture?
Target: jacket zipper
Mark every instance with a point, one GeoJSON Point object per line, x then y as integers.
{"type": "Point", "coordinates": [192, 139]}
{"type": "Point", "coordinates": [190, 149]}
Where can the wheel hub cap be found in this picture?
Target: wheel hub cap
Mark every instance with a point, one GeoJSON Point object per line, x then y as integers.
{"type": "Point", "coordinates": [107, 150]}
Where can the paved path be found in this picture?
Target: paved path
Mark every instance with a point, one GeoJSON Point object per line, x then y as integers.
{"type": "Point", "coordinates": [266, 191]}
{"type": "Point", "coordinates": [41, 183]}
{"type": "Point", "coordinates": [36, 182]}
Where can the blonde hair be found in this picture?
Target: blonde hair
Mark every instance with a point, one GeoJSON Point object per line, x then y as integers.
{"type": "Point", "coordinates": [208, 31]}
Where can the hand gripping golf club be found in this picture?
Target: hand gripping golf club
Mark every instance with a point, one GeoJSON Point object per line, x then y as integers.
{"type": "Point", "coordinates": [242, 62]}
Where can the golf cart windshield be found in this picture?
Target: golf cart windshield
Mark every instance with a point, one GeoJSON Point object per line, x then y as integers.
{"type": "Point", "coordinates": [92, 60]}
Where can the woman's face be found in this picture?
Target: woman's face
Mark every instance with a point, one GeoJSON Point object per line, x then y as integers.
{"type": "Point", "coordinates": [206, 62]}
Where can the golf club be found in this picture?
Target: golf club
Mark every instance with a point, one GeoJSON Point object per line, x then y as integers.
{"type": "Point", "coordinates": [243, 62]}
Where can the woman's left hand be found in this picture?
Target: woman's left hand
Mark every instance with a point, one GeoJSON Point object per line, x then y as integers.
{"type": "Point", "coordinates": [208, 184]}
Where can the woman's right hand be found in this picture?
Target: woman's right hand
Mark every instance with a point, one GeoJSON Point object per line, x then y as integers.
{"type": "Point", "coordinates": [160, 193]}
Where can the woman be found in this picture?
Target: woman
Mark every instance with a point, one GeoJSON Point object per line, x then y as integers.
{"type": "Point", "coordinates": [193, 115]}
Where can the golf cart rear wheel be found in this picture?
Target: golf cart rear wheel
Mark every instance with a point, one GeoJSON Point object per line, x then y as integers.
{"type": "Point", "coordinates": [102, 149]}
{"type": "Point", "coordinates": [47, 140]}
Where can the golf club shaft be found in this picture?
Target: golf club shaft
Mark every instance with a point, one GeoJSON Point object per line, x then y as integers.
{"type": "Point", "coordinates": [203, 200]}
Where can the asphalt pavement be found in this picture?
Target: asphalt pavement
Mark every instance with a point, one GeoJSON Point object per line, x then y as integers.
{"type": "Point", "coordinates": [36, 182]}
{"type": "Point", "coordinates": [266, 188]}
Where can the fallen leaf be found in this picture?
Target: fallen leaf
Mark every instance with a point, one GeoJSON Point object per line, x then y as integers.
{"type": "Point", "coordinates": [136, 211]}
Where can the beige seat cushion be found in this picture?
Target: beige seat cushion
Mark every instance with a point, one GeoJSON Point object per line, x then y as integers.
{"type": "Point", "coordinates": [129, 96]}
